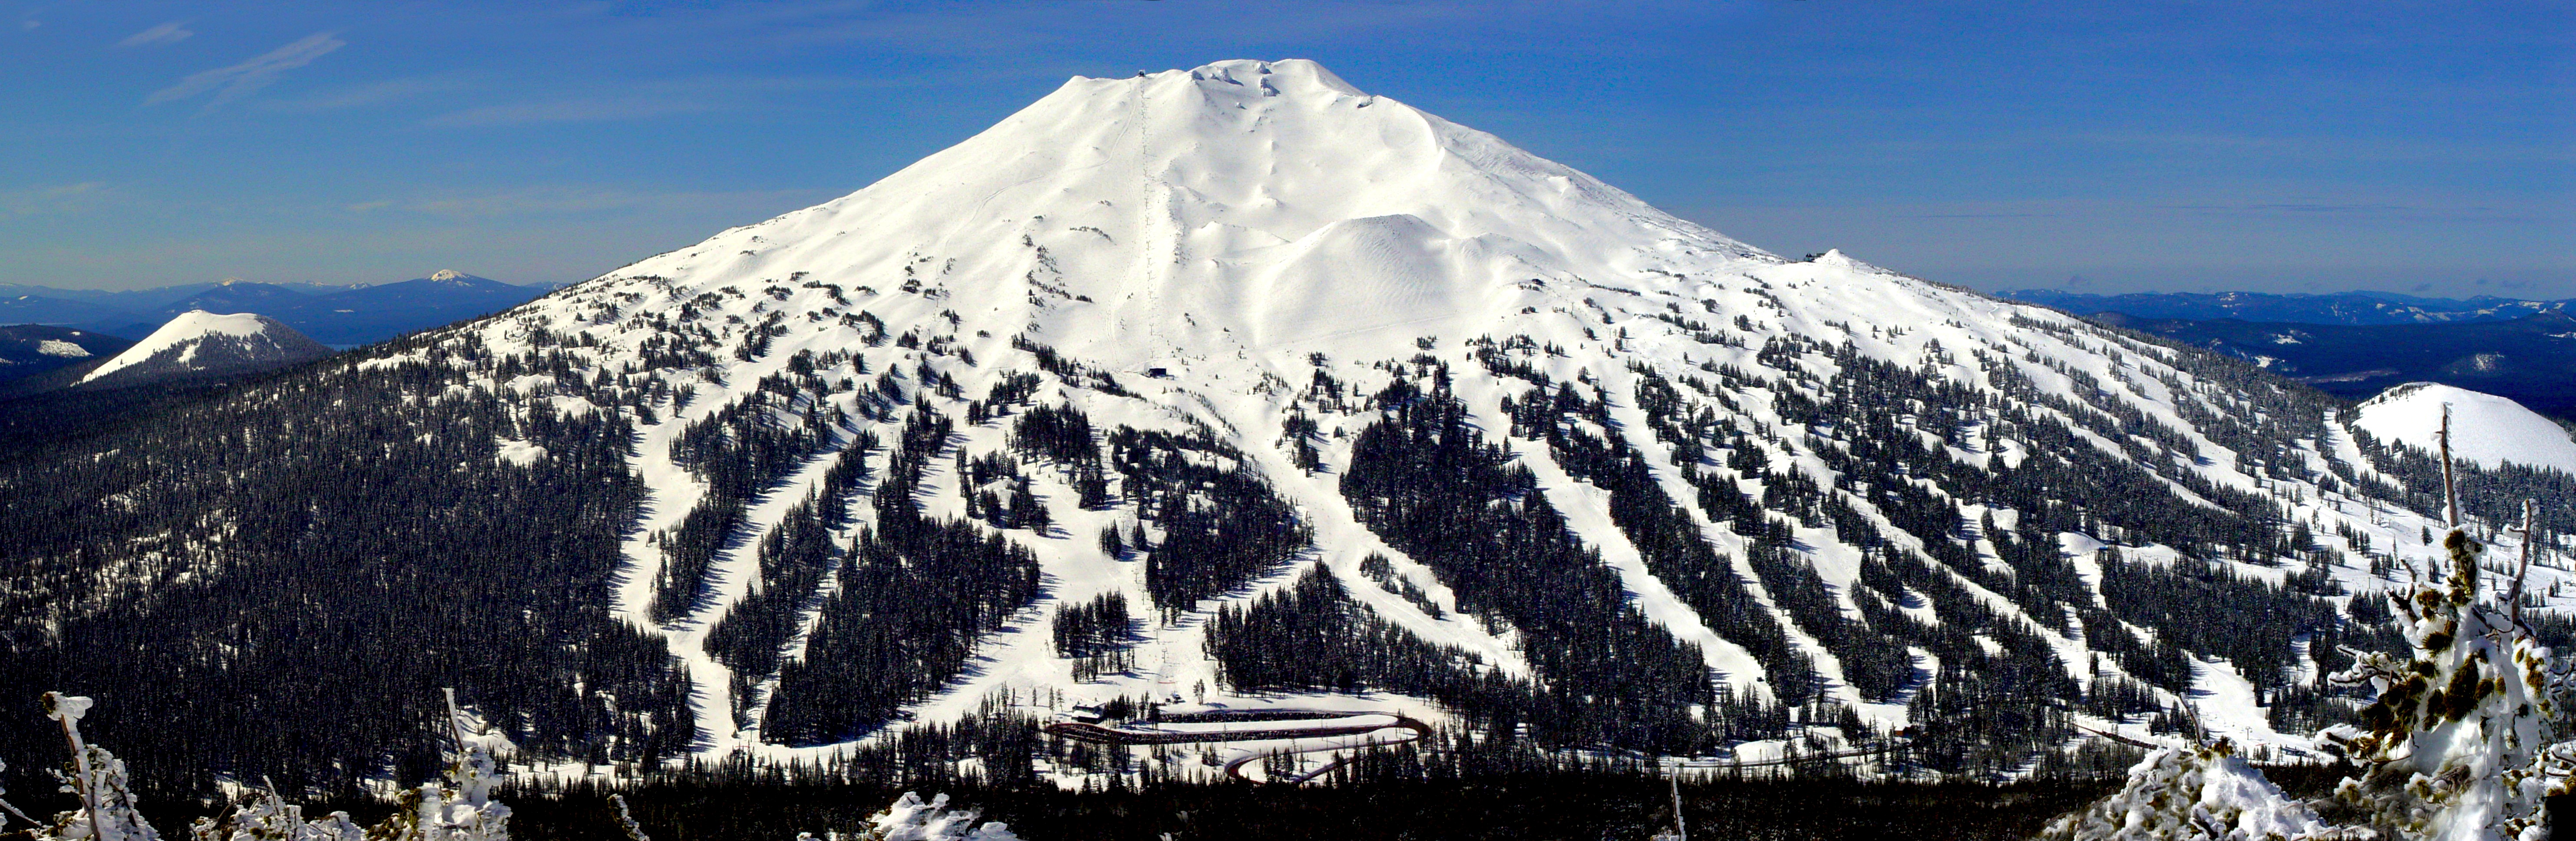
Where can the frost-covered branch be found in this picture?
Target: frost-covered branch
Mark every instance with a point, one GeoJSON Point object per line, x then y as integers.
{"type": "Point", "coordinates": [2461, 743]}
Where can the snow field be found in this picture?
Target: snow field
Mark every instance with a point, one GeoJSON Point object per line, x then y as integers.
{"type": "Point", "coordinates": [1223, 223]}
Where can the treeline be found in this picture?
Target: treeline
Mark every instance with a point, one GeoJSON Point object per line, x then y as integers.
{"type": "Point", "coordinates": [740, 451]}
{"type": "Point", "coordinates": [1366, 804]}
{"type": "Point", "coordinates": [907, 609]}
{"type": "Point", "coordinates": [1221, 525]}
{"type": "Point", "coordinates": [1312, 637]}
{"type": "Point", "coordinates": [1664, 536]}
{"type": "Point", "coordinates": [794, 561]}
{"type": "Point", "coordinates": [262, 553]}
{"type": "Point", "coordinates": [1096, 635]}
{"type": "Point", "coordinates": [1428, 483]}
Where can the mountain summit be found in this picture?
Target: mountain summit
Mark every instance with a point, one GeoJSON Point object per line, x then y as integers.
{"type": "Point", "coordinates": [1237, 391]}
{"type": "Point", "coordinates": [2489, 430]}
{"type": "Point", "coordinates": [201, 343]}
{"type": "Point", "coordinates": [1271, 202]}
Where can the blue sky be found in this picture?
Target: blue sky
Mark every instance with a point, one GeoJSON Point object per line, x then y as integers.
{"type": "Point", "coordinates": [2274, 146]}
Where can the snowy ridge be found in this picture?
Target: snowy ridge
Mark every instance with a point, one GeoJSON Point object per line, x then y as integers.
{"type": "Point", "coordinates": [1190, 249]}
{"type": "Point", "coordinates": [2486, 429]}
{"type": "Point", "coordinates": [198, 340]}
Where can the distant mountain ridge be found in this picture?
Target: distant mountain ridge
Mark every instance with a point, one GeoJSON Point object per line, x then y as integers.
{"type": "Point", "coordinates": [2531, 360]}
{"type": "Point", "coordinates": [2350, 308]}
{"type": "Point", "coordinates": [337, 315]}
{"type": "Point", "coordinates": [28, 350]}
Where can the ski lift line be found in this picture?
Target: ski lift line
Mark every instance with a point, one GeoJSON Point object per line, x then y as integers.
{"type": "Point", "coordinates": [2136, 743]}
{"type": "Point", "coordinates": [1145, 221]}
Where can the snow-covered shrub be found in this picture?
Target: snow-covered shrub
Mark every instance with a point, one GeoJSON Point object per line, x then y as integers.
{"type": "Point", "coordinates": [910, 819]}
{"type": "Point", "coordinates": [626, 820]}
{"type": "Point", "coordinates": [268, 817]}
{"type": "Point", "coordinates": [459, 809]}
{"type": "Point", "coordinates": [2461, 743]}
{"type": "Point", "coordinates": [107, 802]}
{"type": "Point", "coordinates": [6, 809]}
{"type": "Point", "coordinates": [2196, 793]}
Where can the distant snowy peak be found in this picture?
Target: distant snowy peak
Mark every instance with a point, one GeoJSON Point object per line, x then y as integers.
{"type": "Point", "coordinates": [453, 276]}
{"type": "Point", "coordinates": [2485, 429]}
{"type": "Point", "coordinates": [200, 342]}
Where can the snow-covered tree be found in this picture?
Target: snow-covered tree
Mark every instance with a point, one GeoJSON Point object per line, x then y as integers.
{"type": "Point", "coordinates": [2462, 743]}
{"type": "Point", "coordinates": [107, 810]}
{"type": "Point", "coordinates": [268, 817]}
{"type": "Point", "coordinates": [910, 819]}
{"type": "Point", "coordinates": [2196, 793]}
{"type": "Point", "coordinates": [460, 808]}
{"type": "Point", "coordinates": [2462, 740]}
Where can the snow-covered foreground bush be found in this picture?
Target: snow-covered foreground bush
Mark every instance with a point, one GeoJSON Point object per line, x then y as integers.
{"type": "Point", "coordinates": [268, 816]}
{"type": "Point", "coordinates": [910, 819]}
{"type": "Point", "coordinates": [458, 808]}
{"type": "Point", "coordinates": [2462, 741]}
{"type": "Point", "coordinates": [107, 802]}
{"type": "Point", "coordinates": [2460, 745]}
{"type": "Point", "coordinates": [2198, 792]}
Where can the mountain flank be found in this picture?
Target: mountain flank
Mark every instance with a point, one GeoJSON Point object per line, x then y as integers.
{"type": "Point", "coordinates": [1230, 394]}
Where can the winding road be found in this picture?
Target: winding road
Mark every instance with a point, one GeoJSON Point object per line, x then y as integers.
{"type": "Point", "coordinates": [1201, 728]}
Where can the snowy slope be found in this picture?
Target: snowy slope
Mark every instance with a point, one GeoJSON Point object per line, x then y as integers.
{"type": "Point", "coordinates": [1189, 250]}
{"type": "Point", "coordinates": [2485, 429]}
{"type": "Point", "coordinates": [198, 341]}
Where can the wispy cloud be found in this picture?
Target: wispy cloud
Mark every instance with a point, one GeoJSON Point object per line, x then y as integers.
{"type": "Point", "coordinates": [168, 33]}
{"type": "Point", "coordinates": [237, 81]}
{"type": "Point", "coordinates": [34, 201]}
{"type": "Point", "coordinates": [571, 111]}
{"type": "Point", "coordinates": [364, 95]}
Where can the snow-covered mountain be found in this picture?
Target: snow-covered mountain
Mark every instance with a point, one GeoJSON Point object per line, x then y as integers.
{"type": "Point", "coordinates": [2486, 429]}
{"type": "Point", "coordinates": [201, 343]}
{"type": "Point", "coordinates": [1241, 387]}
